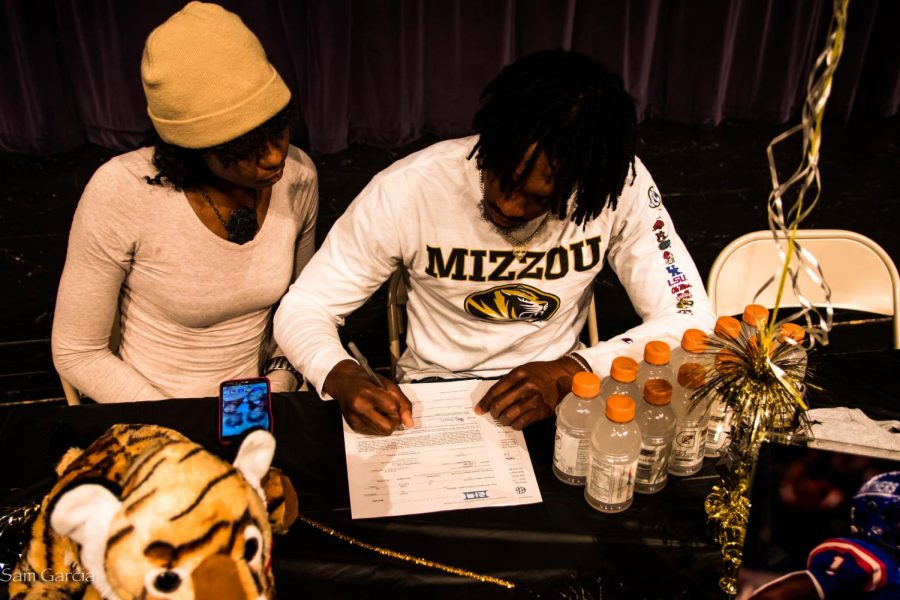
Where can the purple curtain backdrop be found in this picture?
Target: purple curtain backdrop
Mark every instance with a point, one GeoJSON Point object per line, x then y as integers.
{"type": "Point", "coordinates": [385, 72]}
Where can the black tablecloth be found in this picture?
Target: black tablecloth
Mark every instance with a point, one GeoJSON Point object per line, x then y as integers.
{"type": "Point", "coordinates": [657, 549]}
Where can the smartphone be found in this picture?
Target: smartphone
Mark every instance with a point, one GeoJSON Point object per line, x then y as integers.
{"type": "Point", "coordinates": [244, 405]}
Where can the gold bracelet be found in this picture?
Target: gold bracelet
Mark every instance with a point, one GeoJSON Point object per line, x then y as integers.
{"type": "Point", "coordinates": [581, 362]}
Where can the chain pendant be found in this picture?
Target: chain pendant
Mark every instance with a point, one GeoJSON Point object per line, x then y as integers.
{"type": "Point", "coordinates": [520, 248]}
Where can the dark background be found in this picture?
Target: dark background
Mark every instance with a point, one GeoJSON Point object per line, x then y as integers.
{"type": "Point", "coordinates": [374, 80]}
{"type": "Point", "coordinates": [386, 72]}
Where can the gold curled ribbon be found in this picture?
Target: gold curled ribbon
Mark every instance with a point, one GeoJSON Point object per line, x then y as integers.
{"type": "Point", "coordinates": [759, 381]}
{"type": "Point", "coordinates": [805, 178]}
{"type": "Point", "coordinates": [423, 562]}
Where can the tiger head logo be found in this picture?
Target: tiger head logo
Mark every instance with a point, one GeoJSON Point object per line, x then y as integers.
{"type": "Point", "coordinates": [515, 302]}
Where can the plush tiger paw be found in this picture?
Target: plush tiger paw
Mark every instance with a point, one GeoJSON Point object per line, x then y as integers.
{"type": "Point", "coordinates": [281, 500]}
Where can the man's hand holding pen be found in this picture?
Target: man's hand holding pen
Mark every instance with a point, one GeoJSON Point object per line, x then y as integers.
{"type": "Point", "coordinates": [371, 404]}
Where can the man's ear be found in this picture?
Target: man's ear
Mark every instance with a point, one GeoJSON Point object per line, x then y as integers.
{"type": "Point", "coordinates": [254, 457]}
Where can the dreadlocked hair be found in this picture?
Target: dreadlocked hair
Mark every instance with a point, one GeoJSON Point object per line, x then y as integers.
{"type": "Point", "coordinates": [185, 167]}
{"type": "Point", "coordinates": [573, 110]}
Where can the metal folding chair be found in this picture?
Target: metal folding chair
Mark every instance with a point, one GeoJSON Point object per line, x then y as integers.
{"type": "Point", "coordinates": [860, 273]}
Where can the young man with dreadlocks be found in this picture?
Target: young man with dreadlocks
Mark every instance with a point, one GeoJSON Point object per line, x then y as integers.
{"type": "Point", "coordinates": [502, 235]}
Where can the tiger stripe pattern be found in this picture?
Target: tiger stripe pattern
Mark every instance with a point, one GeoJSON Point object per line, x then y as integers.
{"type": "Point", "coordinates": [144, 513]}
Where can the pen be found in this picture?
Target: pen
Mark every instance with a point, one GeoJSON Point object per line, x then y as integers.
{"type": "Point", "coordinates": [364, 364]}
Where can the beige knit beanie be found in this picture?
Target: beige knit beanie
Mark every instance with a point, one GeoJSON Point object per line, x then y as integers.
{"type": "Point", "coordinates": [207, 79]}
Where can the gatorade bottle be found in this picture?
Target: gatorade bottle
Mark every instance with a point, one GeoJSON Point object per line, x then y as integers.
{"type": "Point", "coordinates": [656, 421]}
{"type": "Point", "coordinates": [655, 364]}
{"type": "Point", "coordinates": [791, 356]}
{"type": "Point", "coordinates": [690, 363]}
{"type": "Point", "coordinates": [622, 380]}
{"type": "Point", "coordinates": [575, 416]}
{"type": "Point", "coordinates": [793, 335]}
{"type": "Point", "coordinates": [718, 431]}
{"type": "Point", "coordinates": [754, 318]}
{"type": "Point", "coordinates": [615, 447]}
{"type": "Point", "coordinates": [727, 328]}
{"type": "Point", "coordinates": [718, 438]}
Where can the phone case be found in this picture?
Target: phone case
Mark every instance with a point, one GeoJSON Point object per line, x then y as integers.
{"type": "Point", "coordinates": [244, 405]}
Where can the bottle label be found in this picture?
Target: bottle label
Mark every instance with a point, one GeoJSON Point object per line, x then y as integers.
{"type": "Point", "coordinates": [571, 454]}
{"type": "Point", "coordinates": [718, 434]}
{"type": "Point", "coordinates": [687, 447]}
{"type": "Point", "coordinates": [653, 463]}
{"type": "Point", "coordinates": [611, 484]}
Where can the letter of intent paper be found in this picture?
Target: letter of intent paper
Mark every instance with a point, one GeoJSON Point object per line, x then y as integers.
{"type": "Point", "coordinates": [452, 459]}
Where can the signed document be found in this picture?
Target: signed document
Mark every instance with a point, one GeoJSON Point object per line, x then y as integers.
{"type": "Point", "coordinates": [452, 459]}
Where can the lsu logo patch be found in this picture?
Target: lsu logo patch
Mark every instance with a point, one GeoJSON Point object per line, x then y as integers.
{"type": "Point", "coordinates": [655, 199]}
{"type": "Point", "coordinates": [515, 302]}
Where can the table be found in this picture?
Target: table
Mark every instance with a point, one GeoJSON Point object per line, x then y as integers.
{"type": "Point", "coordinates": [657, 549]}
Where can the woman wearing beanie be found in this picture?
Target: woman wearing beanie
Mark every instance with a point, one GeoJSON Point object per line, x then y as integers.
{"type": "Point", "coordinates": [188, 245]}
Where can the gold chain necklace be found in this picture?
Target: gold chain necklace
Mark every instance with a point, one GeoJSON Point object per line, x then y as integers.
{"type": "Point", "coordinates": [520, 247]}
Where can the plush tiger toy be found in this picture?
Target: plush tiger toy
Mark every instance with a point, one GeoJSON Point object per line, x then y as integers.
{"type": "Point", "coordinates": [144, 513]}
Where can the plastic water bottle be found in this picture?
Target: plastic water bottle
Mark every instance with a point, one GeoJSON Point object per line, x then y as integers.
{"type": "Point", "coordinates": [754, 318]}
{"type": "Point", "coordinates": [791, 356]}
{"type": "Point", "coordinates": [690, 363]}
{"type": "Point", "coordinates": [615, 447]}
{"type": "Point", "coordinates": [575, 417]}
{"type": "Point", "coordinates": [718, 431]}
{"type": "Point", "coordinates": [721, 419]}
{"type": "Point", "coordinates": [793, 336]}
{"type": "Point", "coordinates": [622, 380]}
{"type": "Point", "coordinates": [656, 421]}
{"type": "Point", "coordinates": [727, 328]}
{"type": "Point", "coordinates": [655, 364]}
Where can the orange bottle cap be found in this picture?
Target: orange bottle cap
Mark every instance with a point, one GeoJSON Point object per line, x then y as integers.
{"type": "Point", "coordinates": [585, 385]}
{"type": "Point", "coordinates": [728, 328]}
{"type": "Point", "coordinates": [726, 360]}
{"type": "Point", "coordinates": [753, 346]}
{"type": "Point", "coordinates": [756, 315]}
{"type": "Point", "coordinates": [624, 369]}
{"type": "Point", "coordinates": [694, 340]}
{"type": "Point", "coordinates": [658, 392]}
{"type": "Point", "coordinates": [657, 353]}
{"type": "Point", "coordinates": [793, 331]}
{"type": "Point", "coordinates": [753, 343]}
{"type": "Point", "coordinates": [619, 409]}
{"type": "Point", "coordinates": [691, 375]}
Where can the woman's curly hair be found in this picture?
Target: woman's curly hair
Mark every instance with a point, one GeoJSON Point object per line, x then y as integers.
{"type": "Point", "coordinates": [185, 168]}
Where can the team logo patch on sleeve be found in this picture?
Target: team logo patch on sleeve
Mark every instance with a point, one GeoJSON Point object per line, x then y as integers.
{"type": "Point", "coordinates": [677, 281]}
{"type": "Point", "coordinates": [655, 199]}
{"type": "Point", "coordinates": [515, 302]}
